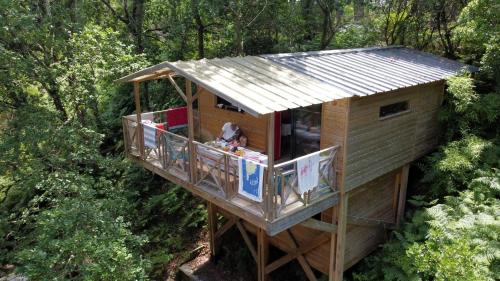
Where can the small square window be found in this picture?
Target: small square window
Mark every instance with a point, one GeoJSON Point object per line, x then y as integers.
{"type": "Point", "coordinates": [393, 109]}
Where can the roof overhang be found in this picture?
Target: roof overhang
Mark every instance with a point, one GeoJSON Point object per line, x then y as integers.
{"type": "Point", "coordinates": [265, 84]}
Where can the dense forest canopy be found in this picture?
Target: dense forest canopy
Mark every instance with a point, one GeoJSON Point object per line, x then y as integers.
{"type": "Point", "coordinates": [72, 208]}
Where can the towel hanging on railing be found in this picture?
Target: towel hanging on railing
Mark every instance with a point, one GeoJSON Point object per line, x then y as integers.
{"type": "Point", "coordinates": [251, 176]}
{"type": "Point", "coordinates": [308, 172]}
{"type": "Point", "coordinates": [149, 134]}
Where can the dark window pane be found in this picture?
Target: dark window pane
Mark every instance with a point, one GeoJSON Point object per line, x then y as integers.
{"type": "Point", "coordinates": [392, 109]}
{"type": "Point", "coordinates": [306, 130]}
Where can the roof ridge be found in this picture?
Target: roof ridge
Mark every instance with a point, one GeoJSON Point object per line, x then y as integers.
{"type": "Point", "coordinates": [328, 52]}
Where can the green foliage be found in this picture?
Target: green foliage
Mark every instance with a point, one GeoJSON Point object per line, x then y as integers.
{"type": "Point", "coordinates": [456, 240]}
{"type": "Point", "coordinates": [82, 239]}
{"type": "Point", "coordinates": [67, 210]}
{"type": "Point", "coordinates": [450, 169]}
{"type": "Point", "coordinates": [71, 208]}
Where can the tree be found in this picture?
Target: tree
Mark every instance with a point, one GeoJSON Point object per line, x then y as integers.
{"type": "Point", "coordinates": [330, 24]}
{"type": "Point", "coordinates": [132, 16]}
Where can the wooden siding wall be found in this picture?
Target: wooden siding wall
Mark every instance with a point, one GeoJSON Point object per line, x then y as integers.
{"type": "Point", "coordinates": [373, 200]}
{"type": "Point", "coordinates": [375, 147]}
{"type": "Point", "coordinates": [212, 119]}
{"type": "Point", "coordinates": [333, 129]}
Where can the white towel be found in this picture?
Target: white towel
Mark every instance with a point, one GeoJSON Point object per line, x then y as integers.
{"type": "Point", "coordinates": [308, 172]}
{"type": "Point", "coordinates": [149, 134]}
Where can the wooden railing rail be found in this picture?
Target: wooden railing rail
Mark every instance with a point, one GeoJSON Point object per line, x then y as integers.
{"type": "Point", "coordinates": [286, 189]}
{"type": "Point", "coordinates": [218, 170]}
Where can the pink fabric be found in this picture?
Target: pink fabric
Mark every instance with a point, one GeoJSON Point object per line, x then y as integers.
{"type": "Point", "coordinates": [177, 117]}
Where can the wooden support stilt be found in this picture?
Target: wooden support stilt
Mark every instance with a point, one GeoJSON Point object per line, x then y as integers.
{"type": "Point", "coordinates": [192, 154]}
{"type": "Point", "coordinates": [212, 227]}
{"type": "Point", "coordinates": [247, 240]}
{"type": "Point", "coordinates": [338, 272]}
{"type": "Point", "coordinates": [402, 194]}
{"type": "Point", "coordinates": [333, 244]}
{"type": "Point", "coordinates": [262, 254]}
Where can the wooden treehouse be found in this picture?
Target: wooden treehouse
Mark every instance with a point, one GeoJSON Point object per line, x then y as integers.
{"type": "Point", "coordinates": [356, 118]}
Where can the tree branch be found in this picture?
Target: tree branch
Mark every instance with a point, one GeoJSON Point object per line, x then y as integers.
{"type": "Point", "coordinates": [114, 12]}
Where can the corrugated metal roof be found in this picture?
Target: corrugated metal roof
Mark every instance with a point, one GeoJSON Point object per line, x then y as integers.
{"type": "Point", "coordinates": [368, 71]}
{"type": "Point", "coordinates": [269, 83]}
{"type": "Point", "coordinates": [257, 85]}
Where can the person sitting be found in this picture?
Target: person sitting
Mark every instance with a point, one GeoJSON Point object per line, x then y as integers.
{"type": "Point", "coordinates": [241, 141]}
{"type": "Point", "coordinates": [230, 132]}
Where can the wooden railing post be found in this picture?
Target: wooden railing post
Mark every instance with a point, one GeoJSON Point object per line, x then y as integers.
{"type": "Point", "coordinates": [403, 182]}
{"type": "Point", "coordinates": [126, 147]}
{"type": "Point", "coordinates": [140, 131]}
{"type": "Point", "coordinates": [269, 190]}
{"type": "Point", "coordinates": [227, 189]}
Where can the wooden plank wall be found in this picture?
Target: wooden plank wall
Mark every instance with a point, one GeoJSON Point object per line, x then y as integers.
{"type": "Point", "coordinates": [374, 200]}
{"type": "Point", "coordinates": [333, 125]}
{"type": "Point", "coordinates": [212, 119]}
{"type": "Point", "coordinates": [376, 146]}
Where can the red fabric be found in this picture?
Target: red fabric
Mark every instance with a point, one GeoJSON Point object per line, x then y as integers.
{"type": "Point", "coordinates": [177, 117]}
{"type": "Point", "coordinates": [160, 126]}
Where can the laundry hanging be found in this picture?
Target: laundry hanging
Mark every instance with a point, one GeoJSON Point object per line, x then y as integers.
{"type": "Point", "coordinates": [149, 134]}
{"type": "Point", "coordinates": [251, 176]}
{"type": "Point", "coordinates": [308, 172]}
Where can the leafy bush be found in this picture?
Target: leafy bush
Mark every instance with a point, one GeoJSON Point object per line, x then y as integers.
{"type": "Point", "coordinates": [456, 240]}
{"type": "Point", "coordinates": [450, 169]}
{"type": "Point", "coordinates": [82, 239]}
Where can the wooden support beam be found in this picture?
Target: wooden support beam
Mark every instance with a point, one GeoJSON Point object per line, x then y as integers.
{"type": "Point", "coordinates": [337, 247]}
{"type": "Point", "coordinates": [225, 228]}
{"type": "Point", "coordinates": [212, 227]}
{"type": "Point", "coordinates": [301, 259]}
{"type": "Point", "coordinates": [181, 93]}
{"type": "Point", "coordinates": [262, 254]}
{"type": "Point", "coordinates": [269, 190]}
{"type": "Point", "coordinates": [341, 237]}
{"type": "Point", "coordinates": [140, 131]}
{"type": "Point", "coordinates": [333, 244]}
{"type": "Point", "coordinates": [247, 240]}
{"type": "Point", "coordinates": [395, 198]}
{"type": "Point", "coordinates": [402, 194]}
{"type": "Point", "coordinates": [192, 154]}
{"type": "Point", "coordinates": [153, 76]}
{"type": "Point", "coordinates": [319, 225]}
{"type": "Point", "coordinates": [297, 251]}
{"type": "Point", "coordinates": [369, 222]}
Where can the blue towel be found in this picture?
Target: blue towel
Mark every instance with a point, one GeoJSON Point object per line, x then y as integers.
{"type": "Point", "coordinates": [251, 178]}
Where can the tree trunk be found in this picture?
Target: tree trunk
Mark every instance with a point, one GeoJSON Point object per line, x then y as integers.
{"type": "Point", "coordinates": [359, 10]}
{"type": "Point", "coordinates": [136, 23]}
{"type": "Point", "coordinates": [307, 15]}
{"type": "Point", "coordinates": [325, 30]}
{"type": "Point", "coordinates": [200, 29]}
{"type": "Point", "coordinates": [56, 99]}
{"type": "Point", "coordinates": [238, 36]}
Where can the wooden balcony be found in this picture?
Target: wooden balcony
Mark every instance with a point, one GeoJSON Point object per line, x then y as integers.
{"type": "Point", "coordinates": [213, 174]}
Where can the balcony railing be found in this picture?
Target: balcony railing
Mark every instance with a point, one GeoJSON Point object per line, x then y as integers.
{"type": "Point", "coordinates": [216, 171]}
